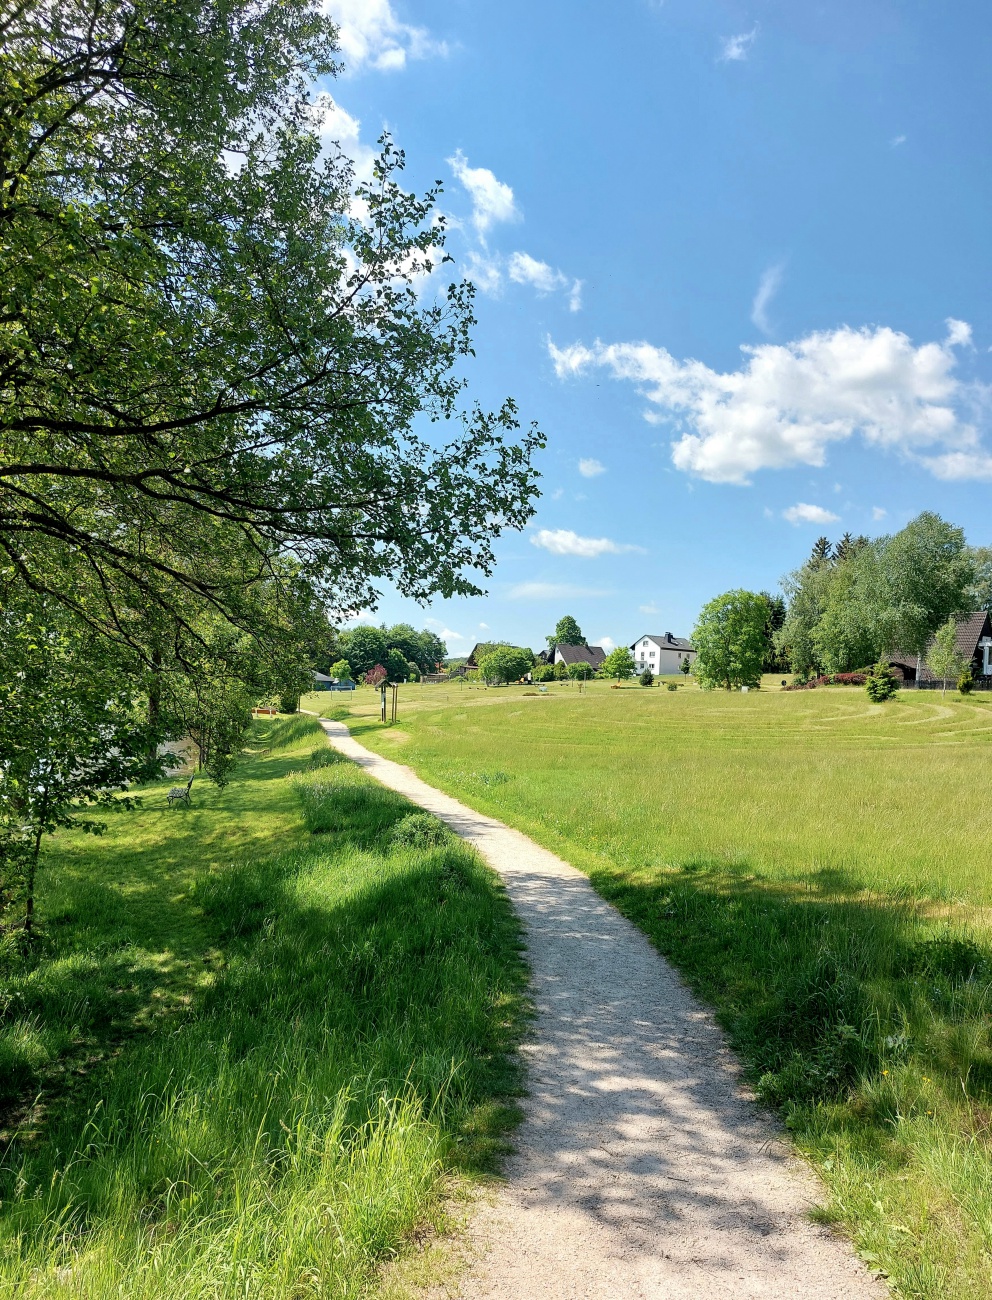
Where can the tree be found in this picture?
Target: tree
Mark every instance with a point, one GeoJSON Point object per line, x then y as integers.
{"type": "Point", "coordinates": [880, 684]}
{"type": "Point", "coordinates": [208, 361]}
{"type": "Point", "coordinates": [375, 676]}
{"type": "Point", "coordinates": [397, 667]}
{"type": "Point", "coordinates": [929, 572]}
{"type": "Point", "coordinates": [774, 660]}
{"type": "Point", "coordinates": [341, 670]}
{"type": "Point", "coordinates": [980, 594]}
{"type": "Point", "coordinates": [560, 671]}
{"type": "Point", "coordinates": [822, 551]}
{"type": "Point", "coordinates": [944, 659]}
{"type": "Point", "coordinates": [619, 663]}
{"type": "Point", "coordinates": [729, 637]}
{"type": "Point", "coordinates": [505, 664]}
{"type": "Point", "coordinates": [71, 738]}
{"type": "Point", "coordinates": [580, 672]}
{"type": "Point", "coordinates": [364, 647]}
{"type": "Point", "coordinates": [685, 667]}
{"type": "Point", "coordinates": [542, 673]}
{"type": "Point", "coordinates": [646, 678]}
{"type": "Point", "coordinates": [567, 632]}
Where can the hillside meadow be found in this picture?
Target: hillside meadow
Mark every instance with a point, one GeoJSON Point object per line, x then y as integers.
{"type": "Point", "coordinates": [260, 1043]}
{"type": "Point", "coordinates": [819, 869]}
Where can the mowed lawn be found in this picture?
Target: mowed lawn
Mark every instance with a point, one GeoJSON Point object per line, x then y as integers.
{"type": "Point", "coordinates": [257, 1041]}
{"type": "Point", "coordinates": [820, 870]}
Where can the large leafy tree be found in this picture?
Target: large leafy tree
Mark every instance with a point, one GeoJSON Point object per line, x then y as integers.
{"type": "Point", "coordinates": [364, 647]}
{"type": "Point", "coordinates": [505, 663]}
{"type": "Point", "coordinates": [567, 632]}
{"type": "Point", "coordinates": [729, 637]}
{"type": "Point", "coordinates": [211, 355]}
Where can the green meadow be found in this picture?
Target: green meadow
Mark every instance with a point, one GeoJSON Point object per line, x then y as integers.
{"type": "Point", "coordinates": [260, 1043]}
{"type": "Point", "coordinates": [820, 870]}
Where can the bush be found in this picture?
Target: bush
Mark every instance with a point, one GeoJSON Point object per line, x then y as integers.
{"type": "Point", "coordinates": [290, 702]}
{"type": "Point", "coordinates": [671, 686]}
{"type": "Point", "coordinates": [542, 673]}
{"type": "Point", "coordinates": [965, 683]}
{"type": "Point", "coordinates": [881, 683]}
{"type": "Point", "coordinates": [420, 831]}
{"type": "Point", "coordinates": [414, 673]}
{"type": "Point", "coordinates": [560, 671]}
{"type": "Point", "coordinates": [646, 678]}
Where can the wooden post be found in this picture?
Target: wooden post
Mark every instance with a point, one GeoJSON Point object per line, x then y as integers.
{"type": "Point", "coordinates": [382, 700]}
{"type": "Point", "coordinates": [396, 692]}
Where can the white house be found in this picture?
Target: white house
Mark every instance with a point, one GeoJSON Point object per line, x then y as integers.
{"type": "Point", "coordinates": [664, 655]}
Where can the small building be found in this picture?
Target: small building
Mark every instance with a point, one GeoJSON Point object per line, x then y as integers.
{"type": "Point", "coordinates": [593, 655]}
{"type": "Point", "coordinates": [974, 642]}
{"type": "Point", "coordinates": [663, 655]}
{"type": "Point", "coordinates": [321, 682]}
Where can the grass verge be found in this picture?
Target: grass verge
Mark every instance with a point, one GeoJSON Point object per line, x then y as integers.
{"type": "Point", "coordinates": [260, 1050]}
{"type": "Point", "coordinates": [820, 871]}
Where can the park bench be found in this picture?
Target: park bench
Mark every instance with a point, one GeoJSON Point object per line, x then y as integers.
{"type": "Point", "coordinates": [180, 793]}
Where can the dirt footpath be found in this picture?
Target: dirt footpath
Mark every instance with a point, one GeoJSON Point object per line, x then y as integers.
{"type": "Point", "coordinates": [642, 1167]}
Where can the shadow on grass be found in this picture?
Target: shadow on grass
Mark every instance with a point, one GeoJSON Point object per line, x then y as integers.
{"type": "Point", "coordinates": [821, 985]}
{"type": "Point", "coordinates": [361, 1017]}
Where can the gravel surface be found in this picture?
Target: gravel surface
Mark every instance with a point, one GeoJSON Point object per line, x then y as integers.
{"type": "Point", "coordinates": [643, 1168]}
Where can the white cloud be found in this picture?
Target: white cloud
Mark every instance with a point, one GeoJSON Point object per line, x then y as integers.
{"type": "Point", "coordinates": [485, 273]}
{"type": "Point", "coordinates": [552, 591]}
{"type": "Point", "coordinates": [492, 200]}
{"type": "Point", "coordinates": [736, 48]}
{"type": "Point", "coordinates": [484, 627]}
{"type": "Point", "coordinates": [878, 512]}
{"type": "Point", "coordinates": [557, 494]}
{"type": "Point", "coordinates": [788, 402]}
{"type": "Point", "coordinates": [768, 287]}
{"type": "Point", "coordinates": [801, 513]}
{"type": "Point", "coordinates": [370, 35]}
{"type": "Point", "coordinates": [897, 140]}
{"type": "Point", "coordinates": [958, 333]}
{"type": "Point", "coordinates": [524, 269]}
{"type": "Point", "coordinates": [606, 642]}
{"type": "Point", "coordinates": [562, 541]}
{"type": "Point", "coordinates": [337, 126]}
{"type": "Point", "coordinates": [649, 609]}
{"type": "Point", "coordinates": [445, 633]}
{"type": "Point", "coordinates": [589, 467]}
{"type": "Point", "coordinates": [575, 296]}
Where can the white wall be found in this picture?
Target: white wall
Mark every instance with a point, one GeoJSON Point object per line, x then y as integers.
{"type": "Point", "coordinates": [662, 660]}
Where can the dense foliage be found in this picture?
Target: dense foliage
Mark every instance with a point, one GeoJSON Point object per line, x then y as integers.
{"type": "Point", "coordinates": [505, 664]}
{"type": "Point", "coordinates": [851, 604]}
{"type": "Point", "coordinates": [730, 640]}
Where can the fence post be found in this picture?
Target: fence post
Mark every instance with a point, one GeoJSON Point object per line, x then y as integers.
{"type": "Point", "coordinates": [382, 699]}
{"type": "Point", "coordinates": [396, 692]}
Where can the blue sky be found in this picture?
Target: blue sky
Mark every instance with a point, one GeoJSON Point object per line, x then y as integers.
{"type": "Point", "coordinates": [733, 258]}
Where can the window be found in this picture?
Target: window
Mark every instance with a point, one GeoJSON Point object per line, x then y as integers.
{"type": "Point", "coordinates": [645, 641]}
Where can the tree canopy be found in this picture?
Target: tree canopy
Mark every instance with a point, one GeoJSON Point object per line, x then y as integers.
{"type": "Point", "coordinates": [567, 632]}
{"type": "Point", "coordinates": [729, 637]}
{"type": "Point", "coordinates": [212, 356]}
{"type": "Point", "coordinates": [619, 663]}
{"type": "Point", "coordinates": [866, 599]}
{"type": "Point", "coordinates": [505, 663]}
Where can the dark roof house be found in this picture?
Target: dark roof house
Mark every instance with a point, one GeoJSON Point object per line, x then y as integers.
{"type": "Point", "coordinates": [974, 642]}
{"type": "Point", "coordinates": [593, 655]}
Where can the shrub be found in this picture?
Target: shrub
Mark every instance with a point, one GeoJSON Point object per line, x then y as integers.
{"type": "Point", "coordinates": [420, 831]}
{"type": "Point", "coordinates": [560, 671]}
{"type": "Point", "coordinates": [965, 683]}
{"type": "Point", "coordinates": [414, 673]}
{"type": "Point", "coordinates": [881, 683]}
{"type": "Point", "coordinates": [672, 686]}
{"type": "Point", "coordinates": [646, 678]}
{"type": "Point", "coordinates": [542, 673]}
{"type": "Point", "coordinates": [375, 676]}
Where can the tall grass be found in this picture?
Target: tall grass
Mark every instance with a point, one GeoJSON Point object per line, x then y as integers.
{"type": "Point", "coordinates": [290, 1123]}
{"type": "Point", "coordinates": [819, 870]}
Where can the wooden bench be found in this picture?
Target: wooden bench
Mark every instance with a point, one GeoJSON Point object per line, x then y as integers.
{"type": "Point", "coordinates": [179, 793]}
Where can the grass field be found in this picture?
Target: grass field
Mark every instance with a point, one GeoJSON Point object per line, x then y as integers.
{"type": "Point", "coordinates": [259, 1041]}
{"type": "Point", "coordinates": [820, 870]}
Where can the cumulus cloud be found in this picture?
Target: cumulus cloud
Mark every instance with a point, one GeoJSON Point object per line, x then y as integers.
{"type": "Point", "coordinates": [589, 467]}
{"type": "Point", "coordinates": [445, 633]}
{"type": "Point", "coordinates": [552, 591]}
{"type": "Point", "coordinates": [789, 402]}
{"type": "Point", "coordinates": [336, 126]}
{"type": "Point", "coordinates": [485, 273]}
{"type": "Point", "coordinates": [958, 333]}
{"type": "Point", "coordinates": [736, 48]}
{"type": "Point", "coordinates": [768, 287]}
{"type": "Point", "coordinates": [524, 269]}
{"type": "Point", "coordinates": [562, 541]}
{"type": "Point", "coordinates": [492, 200]}
{"type": "Point", "coordinates": [606, 642]}
{"type": "Point", "coordinates": [802, 513]}
{"type": "Point", "coordinates": [371, 36]}
{"type": "Point", "coordinates": [878, 512]}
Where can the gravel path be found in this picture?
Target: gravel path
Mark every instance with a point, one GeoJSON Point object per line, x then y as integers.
{"type": "Point", "coordinates": [642, 1167]}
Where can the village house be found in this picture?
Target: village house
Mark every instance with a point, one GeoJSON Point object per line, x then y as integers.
{"type": "Point", "coordinates": [663, 655]}
{"type": "Point", "coordinates": [593, 655]}
{"type": "Point", "coordinates": [974, 642]}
